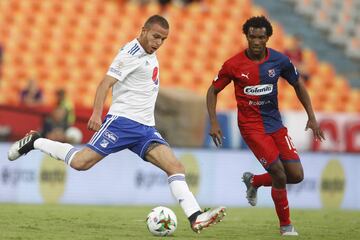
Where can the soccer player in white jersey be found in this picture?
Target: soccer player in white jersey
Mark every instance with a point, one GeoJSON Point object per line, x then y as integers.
{"type": "Point", "coordinates": [129, 124]}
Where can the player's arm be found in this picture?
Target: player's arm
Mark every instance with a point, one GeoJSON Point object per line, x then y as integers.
{"type": "Point", "coordinates": [290, 73]}
{"type": "Point", "coordinates": [100, 97]}
{"type": "Point", "coordinates": [215, 131]}
{"type": "Point", "coordinates": [220, 82]}
{"type": "Point", "coordinates": [123, 64]}
{"type": "Point", "coordinates": [304, 98]}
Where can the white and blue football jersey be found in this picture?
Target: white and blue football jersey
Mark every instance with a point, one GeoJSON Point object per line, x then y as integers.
{"type": "Point", "coordinates": [135, 93]}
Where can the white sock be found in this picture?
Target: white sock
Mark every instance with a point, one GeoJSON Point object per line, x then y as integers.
{"type": "Point", "coordinates": [58, 150]}
{"type": "Point", "coordinates": [181, 192]}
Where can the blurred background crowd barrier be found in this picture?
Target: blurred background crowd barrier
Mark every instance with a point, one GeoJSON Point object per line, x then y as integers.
{"type": "Point", "coordinates": [213, 176]}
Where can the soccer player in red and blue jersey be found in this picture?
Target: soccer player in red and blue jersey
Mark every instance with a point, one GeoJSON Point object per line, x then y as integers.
{"type": "Point", "coordinates": [255, 73]}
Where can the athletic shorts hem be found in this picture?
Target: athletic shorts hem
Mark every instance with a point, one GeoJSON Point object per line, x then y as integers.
{"type": "Point", "coordinates": [97, 150]}
{"type": "Point", "coordinates": [290, 160]}
{"type": "Point", "coordinates": [145, 147]}
{"type": "Point", "coordinates": [271, 163]}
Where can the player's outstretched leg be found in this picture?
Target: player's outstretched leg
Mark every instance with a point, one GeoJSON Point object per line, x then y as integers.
{"type": "Point", "coordinates": [251, 191]}
{"type": "Point", "coordinates": [23, 146]}
{"type": "Point", "coordinates": [288, 230]}
{"type": "Point", "coordinates": [208, 218]}
{"type": "Point", "coordinates": [198, 219]}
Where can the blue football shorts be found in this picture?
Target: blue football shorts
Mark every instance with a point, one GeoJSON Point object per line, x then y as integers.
{"type": "Point", "coordinates": [119, 133]}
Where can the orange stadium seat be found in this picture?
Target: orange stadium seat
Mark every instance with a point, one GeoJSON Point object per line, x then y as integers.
{"type": "Point", "coordinates": [310, 60]}
{"type": "Point", "coordinates": [326, 71]}
{"type": "Point", "coordinates": [71, 43]}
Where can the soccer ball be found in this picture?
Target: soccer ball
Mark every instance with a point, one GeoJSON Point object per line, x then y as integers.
{"type": "Point", "coordinates": [161, 221]}
{"type": "Point", "coordinates": [73, 135]}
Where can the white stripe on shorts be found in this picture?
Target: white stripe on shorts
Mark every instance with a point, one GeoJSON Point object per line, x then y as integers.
{"type": "Point", "coordinates": [96, 133]}
{"type": "Point", "coordinates": [102, 129]}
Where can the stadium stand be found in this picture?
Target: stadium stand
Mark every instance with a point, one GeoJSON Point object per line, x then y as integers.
{"type": "Point", "coordinates": [340, 18]}
{"type": "Point", "coordinates": [70, 44]}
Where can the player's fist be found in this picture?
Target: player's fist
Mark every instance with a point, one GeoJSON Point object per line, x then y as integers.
{"type": "Point", "coordinates": [216, 134]}
{"type": "Point", "coordinates": [317, 131]}
{"type": "Point", "coordinates": [94, 123]}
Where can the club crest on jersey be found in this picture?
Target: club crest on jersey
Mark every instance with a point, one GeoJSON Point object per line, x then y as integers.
{"type": "Point", "coordinates": [104, 143]}
{"type": "Point", "coordinates": [155, 75]}
{"type": "Point", "coordinates": [258, 90]}
{"type": "Point", "coordinates": [271, 72]}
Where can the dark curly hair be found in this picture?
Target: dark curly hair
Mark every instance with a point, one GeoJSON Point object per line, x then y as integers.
{"type": "Point", "coordinates": [258, 22]}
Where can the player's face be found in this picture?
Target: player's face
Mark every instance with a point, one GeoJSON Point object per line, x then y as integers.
{"type": "Point", "coordinates": [257, 39]}
{"type": "Point", "coordinates": [153, 37]}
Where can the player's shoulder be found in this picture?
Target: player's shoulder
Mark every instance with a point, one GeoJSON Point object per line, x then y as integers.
{"type": "Point", "coordinates": [130, 49]}
{"type": "Point", "coordinates": [235, 59]}
{"type": "Point", "coordinates": [130, 53]}
{"type": "Point", "coordinates": [276, 55]}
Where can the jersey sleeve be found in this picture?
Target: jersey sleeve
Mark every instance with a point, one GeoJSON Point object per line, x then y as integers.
{"type": "Point", "coordinates": [223, 78]}
{"type": "Point", "coordinates": [123, 64]}
{"type": "Point", "coordinates": [289, 71]}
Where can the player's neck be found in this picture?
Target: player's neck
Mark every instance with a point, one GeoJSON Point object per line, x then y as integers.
{"type": "Point", "coordinates": [255, 57]}
{"type": "Point", "coordinates": [142, 43]}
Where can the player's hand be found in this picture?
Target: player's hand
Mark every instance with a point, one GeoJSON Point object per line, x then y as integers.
{"type": "Point", "coordinates": [216, 134]}
{"type": "Point", "coordinates": [94, 123]}
{"type": "Point", "coordinates": [314, 126]}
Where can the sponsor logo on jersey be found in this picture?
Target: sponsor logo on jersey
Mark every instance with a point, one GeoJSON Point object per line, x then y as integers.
{"type": "Point", "coordinates": [104, 143]}
{"type": "Point", "coordinates": [155, 75]}
{"type": "Point", "coordinates": [258, 90]}
{"type": "Point", "coordinates": [114, 70]}
{"type": "Point", "coordinates": [110, 136]}
{"type": "Point", "coordinates": [258, 103]}
{"type": "Point", "coordinates": [245, 75]}
{"type": "Point", "coordinates": [271, 72]}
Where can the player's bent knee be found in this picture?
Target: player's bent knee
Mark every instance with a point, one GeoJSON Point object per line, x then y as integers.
{"type": "Point", "coordinates": [80, 165]}
{"type": "Point", "coordinates": [279, 178]}
{"type": "Point", "coordinates": [297, 178]}
{"type": "Point", "coordinates": [85, 159]}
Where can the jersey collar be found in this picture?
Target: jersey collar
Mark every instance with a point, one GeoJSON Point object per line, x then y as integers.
{"type": "Point", "coordinates": [263, 60]}
{"type": "Point", "coordinates": [142, 51]}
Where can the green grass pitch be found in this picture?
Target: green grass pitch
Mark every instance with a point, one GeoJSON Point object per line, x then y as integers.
{"type": "Point", "coordinates": [128, 222]}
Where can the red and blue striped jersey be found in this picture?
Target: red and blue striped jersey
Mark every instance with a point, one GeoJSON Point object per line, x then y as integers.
{"type": "Point", "coordinates": [256, 89]}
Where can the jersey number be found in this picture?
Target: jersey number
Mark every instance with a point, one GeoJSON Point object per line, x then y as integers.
{"type": "Point", "coordinates": [289, 143]}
